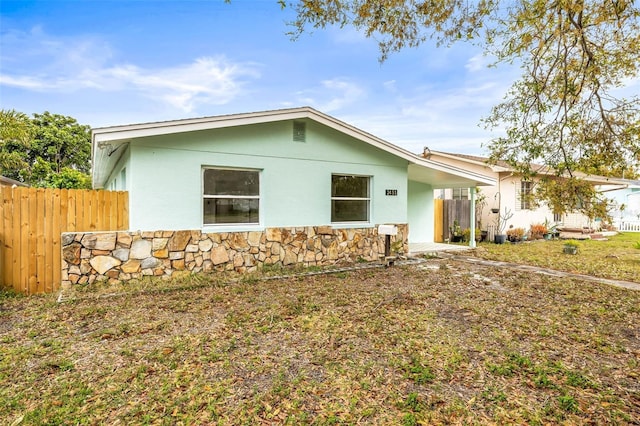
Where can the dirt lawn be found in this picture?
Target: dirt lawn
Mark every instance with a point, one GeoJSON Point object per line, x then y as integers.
{"type": "Point", "coordinates": [436, 343]}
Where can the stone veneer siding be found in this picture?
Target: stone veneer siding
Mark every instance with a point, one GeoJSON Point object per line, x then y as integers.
{"type": "Point", "coordinates": [126, 255]}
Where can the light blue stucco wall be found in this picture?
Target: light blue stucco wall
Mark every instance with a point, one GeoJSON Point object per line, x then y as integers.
{"type": "Point", "coordinates": [164, 175]}
{"type": "Point", "coordinates": [420, 212]}
{"type": "Point", "coordinates": [119, 178]}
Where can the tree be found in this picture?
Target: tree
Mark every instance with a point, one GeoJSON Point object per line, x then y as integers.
{"type": "Point", "coordinates": [564, 111]}
{"type": "Point", "coordinates": [15, 134]}
{"type": "Point", "coordinates": [61, 141]}
{"type": "Point", "coordinates": [52, 150]}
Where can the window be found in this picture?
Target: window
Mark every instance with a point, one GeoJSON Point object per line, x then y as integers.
{"type": "Point", "coordinates": [525, 195]}
{"type": "Point", "coordinates": [231, 196]}
{"type": "Point", "coordinates": [350, 198]}
{"type": "Point", "coordinates": [460, 193]}
{"type": "Point", "coordinates": [557, 217]}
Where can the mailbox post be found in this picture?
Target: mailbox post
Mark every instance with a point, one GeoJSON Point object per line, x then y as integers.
{"type": "Point", "coordinates": [388, 231]}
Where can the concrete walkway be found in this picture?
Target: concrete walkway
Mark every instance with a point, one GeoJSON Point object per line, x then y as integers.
{"type": "Point", "coordinates": [416, 249]}
{"type": "Point", "coordinates": [538, 270]}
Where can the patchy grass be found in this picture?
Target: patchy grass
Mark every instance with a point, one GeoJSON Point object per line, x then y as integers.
{"type": "Point", "coordinates": [440, 343]}
{"type": "Point", "coordinates": [615, 258]}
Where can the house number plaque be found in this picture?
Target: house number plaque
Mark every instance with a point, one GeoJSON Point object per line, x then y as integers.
{"type": "Point", "coordinates": [391, 192]}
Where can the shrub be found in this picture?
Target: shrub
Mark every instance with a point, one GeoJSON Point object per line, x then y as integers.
{"type": "Point", "coordinates": [466, 234]}
{"type": "Point", "coordinates": [515, 234]}
{"type": "Point", "coordinates": [538, 230]}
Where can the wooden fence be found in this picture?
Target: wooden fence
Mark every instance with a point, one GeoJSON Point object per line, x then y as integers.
{"type": "Point", "coordinates": [32, 221]}
{"type": "Point", "coordinates": [446, 211]}
{"type": "Point", "coordinates": [438, 220]}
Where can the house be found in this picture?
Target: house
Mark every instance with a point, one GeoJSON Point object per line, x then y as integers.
{"type": "Point", "coordinates": [301, 185]}
{"type": "Point", "coordinates": [625, 203]}
{"type": "Point", "coordinates": [6, 182]}
{"type": "Point", "coordinates": [506, 194]}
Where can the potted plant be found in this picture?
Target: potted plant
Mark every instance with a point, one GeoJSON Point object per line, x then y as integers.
{"type": "Point", "coordinates": [515, 234]}
{"type": "Point", "coordinates": [551, 229]}
{"type": "Point", "coordinates": [537, 231]}
{"type": "Point", "coordinates": [570, 247]}
{"type": "Point", "coordinates": [456, 232]}
{"type": "Point", "coordinates": [501, 224]}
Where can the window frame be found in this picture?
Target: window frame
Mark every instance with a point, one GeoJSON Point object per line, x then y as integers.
{"type": "Point", "coordinates": [526, 189]}
{"type": "Point", "coordinates": [459, 195]}
{"type": "Point", "coordinates": [231, 197]}
{"type": "Point", "coordinates": [368, 198]}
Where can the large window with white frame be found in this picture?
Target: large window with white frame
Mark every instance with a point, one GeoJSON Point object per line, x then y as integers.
{"type": "Point", "coordinates": [350, 198]}
{"type": "Point", "coordinates": [230, 196]}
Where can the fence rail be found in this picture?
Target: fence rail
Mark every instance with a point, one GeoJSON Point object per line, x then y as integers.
{"type": "Point", "coordinates": [32, 221]}
{"type": "Point", "coordinates": [628, 225]}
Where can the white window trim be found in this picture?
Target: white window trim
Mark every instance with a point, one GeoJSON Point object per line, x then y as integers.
{"type": "Point", "coordinates": [367, 199]}
{"type": "Point", "coordinates": [232, 227]}
{"type": "Point", "coordinates": [520, 202]}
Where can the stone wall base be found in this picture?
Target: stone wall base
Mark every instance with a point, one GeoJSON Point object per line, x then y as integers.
{"type": "Point", "coordinates": [125, 255]}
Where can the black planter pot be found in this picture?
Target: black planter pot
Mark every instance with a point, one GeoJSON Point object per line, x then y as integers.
{"type": "Point", "coordinates": [500, 238]}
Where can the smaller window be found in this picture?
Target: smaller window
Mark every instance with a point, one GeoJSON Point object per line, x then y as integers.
{"type": "Point", "coordinates": [557, 217]}
{"type": "Point", "coordinates": [350, 198]}
{"type": "Point", "coordinates": [460, 193]}
{"type": "Point", "coordinates": [525, 195]}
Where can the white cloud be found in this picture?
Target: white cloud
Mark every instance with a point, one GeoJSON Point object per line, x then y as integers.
{"type": "Point", "coordinates": [477, 63]}
{"type": "Point", "coordinates": [77, 64]}
{"type": "Point", "coordinates": [390, 86]}
{"type": "Point", "coordinates": [332, 95]}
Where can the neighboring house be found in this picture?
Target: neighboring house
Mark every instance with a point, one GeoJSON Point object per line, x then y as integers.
{"type": "Point", "coordinates": [7, 182]}
{"type": "Point", "coordinates": [275, 169]}
{"type": "Point", "coordinates": [506, 194]}
{"type": "Point", "coordinates": [625, 202]}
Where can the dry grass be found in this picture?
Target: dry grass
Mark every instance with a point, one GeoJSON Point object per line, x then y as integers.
{"type": "Point", "coordinates": [438, 343]}
{"type": "Point", "coordinates": [616, 258]}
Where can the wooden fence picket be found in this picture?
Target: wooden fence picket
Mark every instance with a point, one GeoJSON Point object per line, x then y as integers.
{"type": "Point", "coordinates": [32, 221]}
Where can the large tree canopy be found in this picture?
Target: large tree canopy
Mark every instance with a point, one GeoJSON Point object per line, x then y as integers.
{"type": "Point", "coordinates": [566, 112]}
{"type": "Point", "coordinates": [49, 150]}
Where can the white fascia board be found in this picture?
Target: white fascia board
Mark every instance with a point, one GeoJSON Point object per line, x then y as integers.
{"type": "Point", "coordinates": [447, 177]}
{"type": "Point", "coordinates": [479, 178]}
{"type": "Point", "coordinates": [105, 139]}
{"type": "Point", "coordinates": [494, 167]}
{"type": "Point", "coordinates": [118, 133]}
{"type": "Point", "coordinates": [125, 133]}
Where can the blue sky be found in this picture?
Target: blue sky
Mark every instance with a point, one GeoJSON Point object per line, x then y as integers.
{"type": "Point", "coordinates": [123, 62]}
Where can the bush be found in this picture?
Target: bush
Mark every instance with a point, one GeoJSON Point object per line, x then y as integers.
{"type": "Point", "coordinates": [515, 234]}
{"type": "Point", "coordinates": [537, 231]}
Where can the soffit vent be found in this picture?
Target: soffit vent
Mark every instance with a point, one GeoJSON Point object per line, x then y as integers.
{"type": "Point", "coordinates": [299, 131]}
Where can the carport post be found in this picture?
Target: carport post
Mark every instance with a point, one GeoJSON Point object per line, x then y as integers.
{"type": "Point", "coordinates": [472, 215]}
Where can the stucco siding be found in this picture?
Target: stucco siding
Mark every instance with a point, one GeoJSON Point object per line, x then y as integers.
{"type": "Point", "coordinates": [295, 177]}
{"type": "Point", "coordinates": [420, 212]}
{"type": "Point", "coordinates": [115, 182]}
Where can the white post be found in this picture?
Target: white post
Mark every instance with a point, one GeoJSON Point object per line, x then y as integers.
{"type": "Point", "coordinates": [472, 215]}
